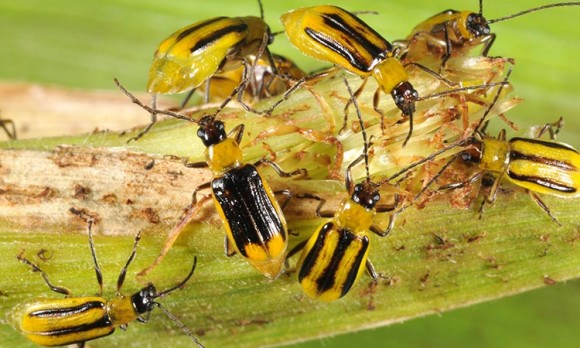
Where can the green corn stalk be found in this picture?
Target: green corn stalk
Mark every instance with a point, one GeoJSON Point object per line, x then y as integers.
{"type": "Point", "coordinates": [437, 259]}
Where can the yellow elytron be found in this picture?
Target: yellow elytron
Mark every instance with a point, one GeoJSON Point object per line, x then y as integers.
{"type": "Point", "coordinates": [334, 35]}
{"type": "Point", "coordinates": [193, 54]}
{"type": "Point", "coordinates": [57, 322]}
{"type": "Point", "coordinates": [545, 167]}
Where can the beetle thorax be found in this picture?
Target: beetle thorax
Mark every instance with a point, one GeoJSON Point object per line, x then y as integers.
{"type": "Point", "coordinates": [389, 74]}
{"type": "Point", "coordinates": [354, 217]}
{"type": "Point", "coordinates": [495, 155]}
{"type": "Point", "coordinates": [223, 156]}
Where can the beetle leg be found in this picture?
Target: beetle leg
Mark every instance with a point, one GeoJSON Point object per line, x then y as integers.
{"type": "Point", "coordinates": [488, 42]}
{"type": "Point", "coordinates": [322, 202]}
{"type": "Point", "coordinates": [186, 217]}
{"type": "Point", "coordinates": [190, 94]}
{"type": "Point", "coordinates": [237, 133]}
{"type": "Point", "coordinates": [194, 194]}
{"type": "Point", "coordinates": [543, 205]}
{"type": "Point", "coordinates": [552, 128]}
{"type": "Point", "coordinates": [288, 195]}
{"type": "Point", "coordinates": [356, 94]}
{"type": "Point", "coordinates": [447, 46]}
{"type": "Point", "coordinates": [279, 171]}
{"type": "Point", "coordinates": [490, 198]}
{"type": "Point", "coordinates": [296, 249]}
{"type": "Point", "coordinates": [195, 164]}
{"type": "Point", "coordinates": [35, 268]}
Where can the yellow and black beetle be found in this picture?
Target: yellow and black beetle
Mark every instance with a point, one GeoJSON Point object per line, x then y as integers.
{"type": "Point", "coordinates": [454, 32]}
{"type": "Point", "coordinates": [194, 54]}
{"type": "Point", "coordinates": [536, 165]}
{"type": "Point", "coordinates": [539, 166]}
{"type": "Point", "coordinates": [253, 219]}
{"type": "Point", "coordinates": [336, 254]}
{"type": "Point", "coordinates": [334, 35]}
{"type": "Point", "coordinates": [56, 322]}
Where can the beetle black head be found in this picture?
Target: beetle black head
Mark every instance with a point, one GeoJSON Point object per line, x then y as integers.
{"type": "Point", "coordinates": [365, 194]}
{"type": "Point", "coordinates": [473, 152]}
{"type": "Point", "coordinates": [210, 131]}
{"type": "Point", "coordinates": [477, 25]}
{"type": "Point", "coordinates": [144, 300]}
{"type": "Point", "coordinates": [405, 97]}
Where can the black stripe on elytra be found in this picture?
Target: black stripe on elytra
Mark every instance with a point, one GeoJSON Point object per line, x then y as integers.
{"type": "Point", "coordinates": [519, 156]}
{"type": "Point", "coordinates": [349, 34]}
{"type": "Point", "coordinates": [185, 33]}
{"type": "Point", "coordinates": [216, 35]}
{"type": "Point", "coordinates": [356, 265]}
{"type": "Point", "coordinates": [67, 311]}
{"type": "Point", "coordinates": [337, 22]}
{"type": "Point", "coordinates": [328, 281]}
{"type": "Point", "coordinates": [103, 322]}
{"type": "Point", "coordinates": [339, 49]}
{"type": "Point", "coordinates": [248, 210]}
{"type": "Point", "coordinates": [556, 186]}
{"type": "Point", "coordinates": [312, 256]}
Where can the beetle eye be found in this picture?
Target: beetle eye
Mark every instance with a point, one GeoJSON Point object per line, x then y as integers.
{"type": "Point", "coordinates": [270, 37]}
{"type": "Point", "coordinates": [477, 25]}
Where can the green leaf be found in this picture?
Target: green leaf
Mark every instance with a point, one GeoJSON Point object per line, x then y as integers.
{"type": "Point", "coordinates": [85, 44]}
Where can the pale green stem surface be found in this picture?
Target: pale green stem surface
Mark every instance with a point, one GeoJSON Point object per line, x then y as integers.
{"type": "Point", "coordinates": [441, 258]}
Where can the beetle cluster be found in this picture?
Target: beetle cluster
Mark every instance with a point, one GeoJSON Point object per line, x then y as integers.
{"type": "Point", "coordinates": [439, 112]}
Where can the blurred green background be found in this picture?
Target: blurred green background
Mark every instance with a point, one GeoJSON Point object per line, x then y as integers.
{"type": "Point", "coordinates": [84, 44]}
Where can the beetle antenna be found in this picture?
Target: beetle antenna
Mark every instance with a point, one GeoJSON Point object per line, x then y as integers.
{"type": "Point", "coordinates": [261, 9]}
{"type": "Point", "coordinates": [462, 89]}
{"type": "Point", "coordinates": [488, 110]}
{"type": "Point", "coordinates": [426, 159]}
{"type": "Point", "coordinates": [185, 329]}
{"type": "Point", "coordinates": [123, 273]}
{"type": "Point", "coordinates": [182, 283]}
{"type": "Point", "coordinates": [521, 13]}
{"type": "Point", "coordinates": [362, 127]}
{"type": "Point", "coordinates": [149, 109]}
